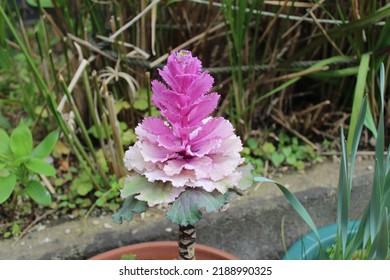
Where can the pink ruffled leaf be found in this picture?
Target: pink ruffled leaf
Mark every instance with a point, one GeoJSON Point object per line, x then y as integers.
{"type": "Point", "coordinates": [154, 153]}
{"type": "Point", "coordinates": [222, 166]}
{"type": "Point", "coordinates": [178, 180]}
{"type": "Point", "coordinates": [164, 99]}
{"type": "Point", "coordinates": [215, 128]}
{"type": "Point", "coordinates": [202, 108]}
{"type": "Point", "coordinates": [157, 127]}
{"type": "Point", "coordinates": [223, 185]}
{"type": "Point", "coordinates": [200, 86]}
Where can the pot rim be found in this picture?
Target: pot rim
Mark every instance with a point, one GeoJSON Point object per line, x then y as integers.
{"type": "Point", "coordinates": [200, 249]}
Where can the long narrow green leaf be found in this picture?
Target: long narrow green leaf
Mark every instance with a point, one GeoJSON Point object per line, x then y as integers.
{"type": "Point", "coordinates": [340, 31]}
{"type": "Point", "coordinates": [379, 174]}
{"type": "Point", "coordinates": [40, 81]}
{"type": "Point", "coordinates": [319, 64]}
{"type": "Point", "coordinates": [342, 201]}
{"type": "Point", "coordinates": [382, 42]}
{"type": "Point", "coordinates": [295, 203]}
{"type": "Point", "coordinates": [380, 246]}
{"type": "Point", "coordinates": [339, 73]}
{"type": "Point", "coordinates": [358, 98]}
{"type": "Point", "coordinates": [43, 3]}
{"type": "Point", "coordinates": [369, 122]}
{"type": "Point", "coordinates": [356, 137]}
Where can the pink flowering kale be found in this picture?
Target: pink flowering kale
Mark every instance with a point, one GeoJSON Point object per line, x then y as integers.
{"type": "Point", "coordinates": [188, 158]}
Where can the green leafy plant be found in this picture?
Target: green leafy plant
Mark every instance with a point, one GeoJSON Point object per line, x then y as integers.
{"type": "Point", "coordinates": [21, 163]}
{"type": "Point", "coordinates": [288, 152]}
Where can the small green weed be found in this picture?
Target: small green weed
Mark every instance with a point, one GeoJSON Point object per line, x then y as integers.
{"type": "Point", "coordinates": [129, 257]}
{"type": "Point", "coordinates": [288, 152]}
{"type": "Point", "coordinates": [21, 163]}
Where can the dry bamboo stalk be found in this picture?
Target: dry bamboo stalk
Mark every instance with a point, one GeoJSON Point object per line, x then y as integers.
{"type": "Point", "coordinates": [325, 33]}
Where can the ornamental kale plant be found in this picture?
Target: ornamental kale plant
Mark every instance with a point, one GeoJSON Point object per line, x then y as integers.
{"type": "Point", "coordinates": [189, 160]}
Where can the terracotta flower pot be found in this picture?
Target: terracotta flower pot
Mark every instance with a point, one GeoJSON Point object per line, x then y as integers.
{"type": "Point", "coordinates": [162, 250]}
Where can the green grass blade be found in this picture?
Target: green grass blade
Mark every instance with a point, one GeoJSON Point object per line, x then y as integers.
{"type": "Point", "coordinates": [319, 64]}
{"type": "Point", "coordinates": [356, 136]}
{"type": "Point", "coordinates": [295, 203]}
{"type": "Point", "coordinates": [342, 201]}
{"type": "Point", "coordinates": [369, 122]}
{"type": "Point", "coordinates": [382, 42]}
{"type": "Point", "coordinates": [380, 173]}
{"type": "Point", "coordinates": [341, 31]}
{"type": "Point", "coordinates": [358, 98]}
{"type": "Point", "coordinates": [380, 246]}
{"type": "Point", "coordinates": [339, 73]}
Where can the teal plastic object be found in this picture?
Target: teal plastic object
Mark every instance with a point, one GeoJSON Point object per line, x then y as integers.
{"type": "Point", "coordinates": [308, 247]}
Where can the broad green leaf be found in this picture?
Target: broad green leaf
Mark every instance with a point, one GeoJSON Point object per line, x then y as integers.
{"type": "Point", "coordinates": [2, 165]}
{"type": "Point", "coordinates": [252, 144]}
{"type": "Point", "coordinates": [141, 104]}
{"type": "Point", "coordinates": [291, 159]}
{"type": "Point", "coordinates": [153, 193]}
{"type": "Point", "coordinates": [4, 143]}
{"type": "Point", "coordinates": [38, 193]}
{"type": "Point", "coordinates": [120, 105]}
{"type": "Point", "coordinates": [4, 172]}
{"type": "Point", "coordinates": [268, 148]}
{"type": "Point", "coordinates": [7, 185]}
{"type": "Point", "coordinates": [187, 209]}
{"type": "Point", "coordinates": [40, 166]}
{"type": "Point", "coordinates": [84, 188]}
{"type": "Point", "coordinates": [277, 159]}
{"type": "Point", "coordinates": [300, 165]}
{"type": "Point", "coordinates": [21, 142]}
{"type": "Point", "coordinates": [130, 206]}
{"type": "Point", "coordinates": [128, 137]}
{"type": "Point", "coordinates": [44, 3]}
{"type": "Point", "coordinates": [47, 145]}
{"type": "Point", "coordinates": [287, 151]}
{"type": "Point", "coordinates": [295, 203]}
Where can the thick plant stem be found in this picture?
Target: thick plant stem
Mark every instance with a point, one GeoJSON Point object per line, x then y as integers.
{"type": "Point", "coordinates": [187, 236]}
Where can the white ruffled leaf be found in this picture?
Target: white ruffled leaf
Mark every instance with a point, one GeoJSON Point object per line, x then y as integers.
{"type": "Point", "coordinates": [153, 193]}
